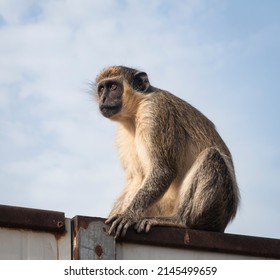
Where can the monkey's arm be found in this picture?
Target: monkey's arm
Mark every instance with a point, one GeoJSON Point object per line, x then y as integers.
{"type": "Point", "coordinates": [118, 205]}
{"type": "Point", "coordinates": [153, 188]}
{"type": "Point", "coordinates": [124, 199]}
{"type": "Point", "coordinates": [158, 148]}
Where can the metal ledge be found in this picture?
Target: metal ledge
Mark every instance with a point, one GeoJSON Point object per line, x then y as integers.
{"type": "Point", "coordinates": [209, 241]}
{"type": "Point", "coordinates": [185, 239]}
{"type": "Point", "coordinates": [90, 239]}
{"type": "Point", "coordinates": [34, 219]}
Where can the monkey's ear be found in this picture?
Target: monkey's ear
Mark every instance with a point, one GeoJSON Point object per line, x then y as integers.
{"type": "Point", "coordinates": [141, 81]}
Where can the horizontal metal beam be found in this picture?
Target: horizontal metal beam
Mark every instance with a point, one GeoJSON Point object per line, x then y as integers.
{"type": "Point", "coordinates": [208, 241]}
{"type": "Point", "coordinates": [194, 239]}
{"type": "Point", "coordinates": [28, 218]}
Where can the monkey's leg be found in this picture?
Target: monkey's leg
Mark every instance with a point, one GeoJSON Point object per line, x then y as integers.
{"type": "Point", "coordinates": [207, 199]}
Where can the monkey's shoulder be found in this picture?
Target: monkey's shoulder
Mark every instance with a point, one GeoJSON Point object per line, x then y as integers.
{"type": "Point", "coordinates": [164, 104]}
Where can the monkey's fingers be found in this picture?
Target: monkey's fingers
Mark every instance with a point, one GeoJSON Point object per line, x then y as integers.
{"type": "Point", "coordinates": [145, 225]}
{"type": "Point", "coordinates": [114, 225]}
{"type": "Point", "coordinates": [111, 219]}
{"type": "Point", "coordinates": [139, 227]}
{"type": "Point", "coordinates": [118, 231]}
{"type": "Point", "coordinates": [121, 227]}
{"type": "Point", "coordinates": [148, 226]}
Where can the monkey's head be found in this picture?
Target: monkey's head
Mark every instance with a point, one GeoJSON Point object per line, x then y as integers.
{"type": "Point", "coordinates": [119, 89]}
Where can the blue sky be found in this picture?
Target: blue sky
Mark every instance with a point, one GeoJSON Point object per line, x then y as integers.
{"type": "Point", "coordinates": [57, 152]}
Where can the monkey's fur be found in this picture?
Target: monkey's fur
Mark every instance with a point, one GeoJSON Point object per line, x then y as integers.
{"type": "Point", "coordinates": [179, 172]}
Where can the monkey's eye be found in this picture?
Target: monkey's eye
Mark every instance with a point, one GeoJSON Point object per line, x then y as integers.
{"type": "Point", "coordinates": [114, 87]}
{"type": "Point", "coordinates": [100, 90]}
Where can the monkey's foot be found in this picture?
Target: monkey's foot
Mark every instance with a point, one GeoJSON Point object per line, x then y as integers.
{"type": "Point", "coordinates": [146, 223]}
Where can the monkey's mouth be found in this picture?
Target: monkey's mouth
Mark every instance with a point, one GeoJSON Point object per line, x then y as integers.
{"type": "Point", "coordinates": [110, 110]}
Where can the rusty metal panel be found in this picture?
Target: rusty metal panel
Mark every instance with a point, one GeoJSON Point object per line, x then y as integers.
{"type": "Point", "coordinates": [22, 244]}
{"type": "Point", "coordinates": [28, 218]}
{"type": "Point", "coordinates": [91, 240]}
{"type": "Point", "coordinates": [232, 243]}
{"type": "Point", "coordinates": [64, 242]}
{"type": "Point", "coordinates": [206, 241]}
{"type": "Point", "coordinates": [176, 242]}
{"type": "Point", "coordinates": [34, 234]}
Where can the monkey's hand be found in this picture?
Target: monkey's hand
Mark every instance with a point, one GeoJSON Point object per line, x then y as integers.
{"type": "Point", "coordinates": [146, 224]}
{"type": "Point", "coordinates": [121, 222]}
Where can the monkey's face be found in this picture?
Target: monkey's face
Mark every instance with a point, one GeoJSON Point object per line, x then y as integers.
{"type": "Point", "coordinates": [119, 90]}
{"type": "Point", "coordinates": [110, 93]}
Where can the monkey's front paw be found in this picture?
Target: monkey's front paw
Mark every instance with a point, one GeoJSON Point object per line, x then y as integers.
{"type": "Point", "coordinates": [145, 224]}
{"type": "Point", "coordinates": [120, 223]}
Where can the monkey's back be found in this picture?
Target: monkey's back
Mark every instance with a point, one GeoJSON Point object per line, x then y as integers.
{"type": "Point", "coordinates": [191, 126]}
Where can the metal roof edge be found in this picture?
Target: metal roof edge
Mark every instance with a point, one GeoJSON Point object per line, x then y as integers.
{"type": "Point", "coordinates": [194, 239]}
{"type": "Point", "coordinates": [29, 218]}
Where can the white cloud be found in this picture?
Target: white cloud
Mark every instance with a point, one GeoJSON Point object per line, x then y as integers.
{"type": "Point", "coordinates": [18, 134]}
